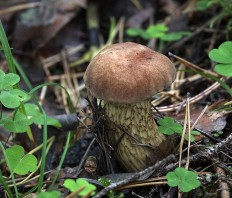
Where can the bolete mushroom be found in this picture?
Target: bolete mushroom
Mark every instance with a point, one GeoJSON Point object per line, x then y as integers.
{"type": "Point", "coordinates": [125, 76]}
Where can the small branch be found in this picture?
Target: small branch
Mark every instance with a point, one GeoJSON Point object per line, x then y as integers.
{"type": "Point", "coordinates": [193, 66]}
{"type": "Point", "coordinates": [192, 100]}
{"type": "Point", "coordinates": [207, 154]}
{"type": "Point", "coordinates": [135, 176]}
{"type": "Point", "coordinates": [225, 191]}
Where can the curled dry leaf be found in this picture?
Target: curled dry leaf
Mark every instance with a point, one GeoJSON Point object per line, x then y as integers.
{"type": "Point", "coordinates": [209, 122]}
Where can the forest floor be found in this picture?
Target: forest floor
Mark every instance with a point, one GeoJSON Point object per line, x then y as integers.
{"type": "Point", "coordinates": [53, 43]}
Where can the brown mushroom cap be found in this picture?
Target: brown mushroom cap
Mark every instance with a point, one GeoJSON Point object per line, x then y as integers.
{"type": "Point", "coordinates": [128, 73]}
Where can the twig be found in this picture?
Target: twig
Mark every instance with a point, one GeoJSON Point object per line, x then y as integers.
{"type": "Point", "coordinates": [19, 7]}
{"type": "Point", "coordinates": [85, 155]}
{"type": "Point", "coordinates": [192, 100]}
{"type": "Point", "coordinates": [182, 137]}
{"type": "Point", "coordinates": [135, 176]}
{"type": "Point", "coordinates": [225, 191]}
{"type": "Point", "coordinates": [189, 133]}
{"type": "Point", "coordinates": [207, 154]}
{"type": "Point", "coordinates": [199, 117]}
{"type": "Point", "coordinates": [193, 66]}
{"type": "Point", "coordinates": [198, 30]}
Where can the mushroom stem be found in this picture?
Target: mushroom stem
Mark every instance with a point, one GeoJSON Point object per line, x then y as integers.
{"type": "Point", "coordinates": [135, 136]}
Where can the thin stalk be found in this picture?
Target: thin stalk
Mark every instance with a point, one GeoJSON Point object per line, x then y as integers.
{"type": "Point", "coordinates": [11, 171]}
{"type": "Point", "coordinates": [43, 157]}
{"type": "Point", "coordinates": [6, 187]}
{"type": "Point", "coordinates": [61, 162]}
{"type": "Point", "coordinates": [12, 68]}
{"type": "Point", "coordinates": [22, 73]}
{"type": "Point", "coordinates": [7, 50]}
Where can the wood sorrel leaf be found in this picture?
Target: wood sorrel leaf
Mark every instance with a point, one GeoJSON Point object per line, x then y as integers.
{"type": "Point", "coordinates": [20, 163]}
{"type": "Point", "coordinates": [223, 54]}
{"type": "Point", "coordinates": [186, 180]}
{"type": "Point", "coordinates": [8, 80]}
{"type": "Point", "coordinates": [18, 124]}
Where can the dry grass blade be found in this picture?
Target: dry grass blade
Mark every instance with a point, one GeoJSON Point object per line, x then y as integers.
{"type": "Point", "coordinates": [20, 7]}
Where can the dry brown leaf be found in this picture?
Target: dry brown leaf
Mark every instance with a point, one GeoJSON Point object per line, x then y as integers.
{"type": "Point", "coordinates": [209, 122]}
{"type": "Point", "coordinates": [39, 25]}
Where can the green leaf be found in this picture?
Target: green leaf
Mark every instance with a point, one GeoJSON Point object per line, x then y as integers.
{"type": "Point", "coordinates": [134, 31]}
{"type": "Point", "coordinates": [19, 124]}
{"type": "Point", "coordinates": [186, 180]}
{"type": "Point", "coordinates": [165, 130]}
{"type": "Point", "coordinates": [20, 163]}
{"type": "Point", "coordinates": [174, 36]}
{"type": "Point", "coordinates": [223, 54]}
{"type": "Point", "coordinates": [189, 181]}
{"type": "Point", "coordinates": [9, 100]}
{"type": "Point", "coordinates": [31, 109]}
{"type": "Point", "coordinates": [13, 98]}
{"type": "Point", "coordinates": [192, 139]}
{"type": "Point", "coordinates": [224, 69]}
{"type": "Point", "coordinates": [157, 31]}
{"type": "Point", "coordinates": [36, 116]}
{"type": "Point", "coordinates": [194, 132]}
{"type": "Point", "coordinates": [202, 5]}
{"type": "Point", "coordinates": [168, 126]}
{"type": "Point", "coordinates": [173, 180]}
{"type": "Point", "coordinates": [171, 37]}
{"type": "Point", "coordinates": [73, 186]}
{"type": "Point", "coordinates": [52, 194]}
{"type": "Point", "coordinates": [138, 32]}
{"type": "Point", "coordinates": [7, 80]}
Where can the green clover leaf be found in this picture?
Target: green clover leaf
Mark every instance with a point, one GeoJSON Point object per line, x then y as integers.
{"type": "Point", "coordinates": [223, 56]}
{"type": "Point", "coordinates": [13, 98]}
{"type": "Point", "coordinates": [184, 179]}
{"type": "Point", "coordinates": [168, 126]}
{"type": "Point", "coordinates": [157, 31]}
{"type": "Point", "coordinates": [138, 32]}
{"type": "Point", "coordinates": [174, 36]}
{"type": "Point", "coordinates": [73, 186]}
{"type": "Point", "coordinates": [8, 80]}
{"type": "Point", "coordinates": [224, 69]}
{"type": "Point", "coordinates": [18, 124]}
{"type": "Point", "coordinates": [33, 112]}
{"type": "Point", "coordinates": [20, 163]}
{"type": "Point", "coordinates": [52, 194]}
{"type": "Point", "coordinates": [192, 139]}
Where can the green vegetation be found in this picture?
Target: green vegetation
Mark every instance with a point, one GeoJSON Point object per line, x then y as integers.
{"type": "Point", "coordinates": [81, 185]}
{"type": "Point", "coordinates": [111, 193]}
{"type": "Point", "coordinates": [158, 31]}
{"type": "Point", "coordinates": [223, 56]}
{"type": "Point", "coordinates": [226, 6]}
{"type": "Point", "coordinates": [168, 127]}
{"type": "Point", "coordinates": [21, 114]}
{"type": "Point", "coordinates": [52, 194]}
{"type": "Point", "coordinates": [184, 179]}
{"type": "Point", "coordinates": [20, 163]}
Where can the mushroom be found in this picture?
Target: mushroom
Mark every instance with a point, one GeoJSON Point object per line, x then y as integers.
{"type": "Point", "coordinates": [125, 76]}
